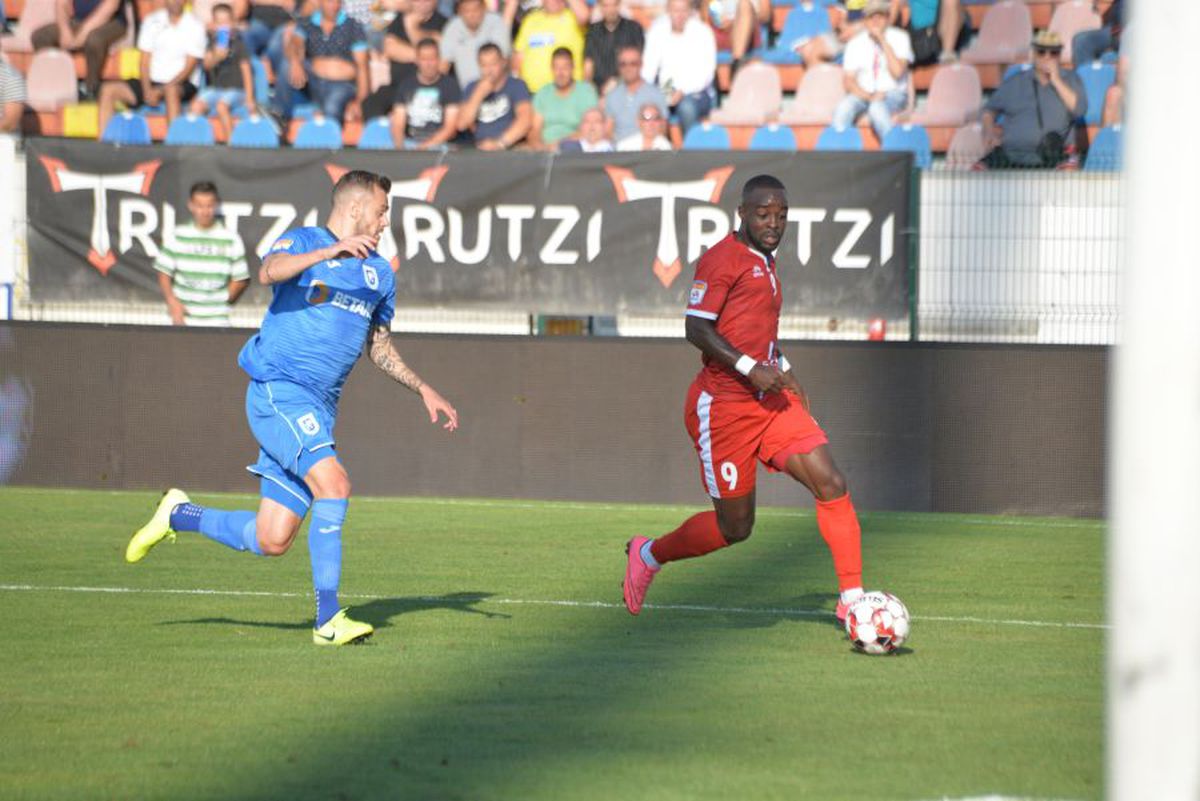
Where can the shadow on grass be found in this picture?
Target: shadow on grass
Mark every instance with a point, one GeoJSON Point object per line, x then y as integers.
{"type": "Point", "coordinates": [379, 612]}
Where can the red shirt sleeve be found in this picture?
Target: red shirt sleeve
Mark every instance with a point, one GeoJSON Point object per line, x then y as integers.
{"type": "Point", "coordinates": [712, 282]}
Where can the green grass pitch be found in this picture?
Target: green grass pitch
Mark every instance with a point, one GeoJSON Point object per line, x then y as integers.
{"type": "Point", "coordinates": [504, 666]}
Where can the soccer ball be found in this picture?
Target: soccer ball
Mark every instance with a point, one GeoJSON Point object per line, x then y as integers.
{"type": "Point", "coordinates": [877, 623]}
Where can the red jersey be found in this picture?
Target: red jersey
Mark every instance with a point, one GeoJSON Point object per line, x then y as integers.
{"type": "Point", "coordinates": [737, 286]}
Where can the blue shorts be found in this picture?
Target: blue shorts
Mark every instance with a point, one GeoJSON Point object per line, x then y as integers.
{"type": "Point", "coordinates": [233, 98]}
{"type": "Point", "coordinates": [294, 430]}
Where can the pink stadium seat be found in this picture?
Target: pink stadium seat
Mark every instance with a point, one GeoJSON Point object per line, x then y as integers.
{"type": "Point", "coordinates": [954, 97]}
{"type": "Point", "coordinates": [754, 98]}
{"type": "Point", "coordinates": [1069, 19]}
{"type": "Point", "coordinates": [817, 96]}
{"type": "Point", "coordinates": [1003, 37]}
{"type": "Point", "coordinates": [35, 14]}
{"type": "Point", "coordinates": [51, 81]}
{"type": "Point", "coordinates": [966, 148]}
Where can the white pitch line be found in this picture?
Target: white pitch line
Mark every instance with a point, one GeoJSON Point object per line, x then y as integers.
{"type": "Point", "coordinates": [724, 610]}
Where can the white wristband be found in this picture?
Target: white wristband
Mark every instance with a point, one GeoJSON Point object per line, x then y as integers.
{"type": "Point", "coordinates": [784, 364]}
{"type": "Point", "coordinates": [745, 364]}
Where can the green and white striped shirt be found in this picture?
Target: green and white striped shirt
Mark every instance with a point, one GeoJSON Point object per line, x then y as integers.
{"type": "Point", "coordinates": [202, 263]}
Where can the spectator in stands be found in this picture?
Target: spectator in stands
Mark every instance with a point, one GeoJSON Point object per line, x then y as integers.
{"type": "Point", "coordinates": [498, 109]}
{"type": "Point", "coordinates": [545, 32]}
{"type": "Point", "coordinates": [515, 11]}
{"type": "Point", "coordinates": [938, 29]}
{"type": "Point", "coordinates": [876, 65]}
{"type": "Point", "coordinates": [171, 42]}
{"type": "Point", "coordinates": [1114, 99]}
{"type": "Point", "coordinates": [421, 21]}
{"type": "Point", "coordinates": [202, 265]}
{"type": "Point", "coordinates": [266, 29]}
{"type": "Point", "coordinates": [591, 137]}
{"type": "Point", "coordinates": [12, 98]}
{"type": "Point", "coordinates": [624, 103]}
{"type": "Point", "coordinates": [1039, 107]}
{"type": "Point", "coordinates": [737, 25]}
{"type": "Point", "coordinates": [649, 136]}
{"type": "Point", "coordinates": [327, 63]}
{"type": "Point", "coordinates": [368, 14]}
{"type": "Point", "coordinates": [604, 42]}
{"type": "Point", "coordinates": [1088, 46]}
{"type": "Point", "coordinates": [92, 26]}
{"type": "Point", "coordinates": [473, 27]}
{"type": "Point", "coordinates": [558, 107]}
{"type": "Point", "coordinates": [828, 46]}
{"type": "Point", "coordinates": [228, 81]}
{"type": "Point", "coordinates": [681, 58]}
{"type": "Point", "coordinates": [425, 114]}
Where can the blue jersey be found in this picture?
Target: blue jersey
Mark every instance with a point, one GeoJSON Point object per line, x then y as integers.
{"type": "Point", "coordinates": [318, 321]}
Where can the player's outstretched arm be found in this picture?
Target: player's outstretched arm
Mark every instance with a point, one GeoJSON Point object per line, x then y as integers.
{"type": "Point", "coordinates": [703, 334]}
{"type": "Point", "coordinates": [385, 357]}
{"type": "Point", "coordinates": [279, 267]}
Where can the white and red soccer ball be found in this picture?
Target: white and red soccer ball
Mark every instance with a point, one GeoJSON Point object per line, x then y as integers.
{"type": "Point", "coordinates": [877, 623]}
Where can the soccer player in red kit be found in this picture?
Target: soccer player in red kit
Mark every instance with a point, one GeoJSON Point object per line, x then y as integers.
{"type": "Point", "coordinates": [746, 406]}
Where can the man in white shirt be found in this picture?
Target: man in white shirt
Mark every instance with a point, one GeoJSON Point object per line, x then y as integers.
{"type": "Point", "coordinates": [649, 135]}
{"type": "Point", "coordinates": [681, 57]}
{"type": "Point", "coordinates": [590, 138]}
{"type": "Point", "coordinates": [171, 43]}
{"type": "Point", "coordinates": [876, 65]}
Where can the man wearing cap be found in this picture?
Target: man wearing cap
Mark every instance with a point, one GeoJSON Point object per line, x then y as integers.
{"type": "Point", "coordinates": [876, 72]}
{"type": "Point", "coordinates": [1039, 107]}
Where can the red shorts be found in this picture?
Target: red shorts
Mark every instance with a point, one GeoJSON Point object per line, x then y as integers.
{"type": "Point", "coordinates": [731, 435]}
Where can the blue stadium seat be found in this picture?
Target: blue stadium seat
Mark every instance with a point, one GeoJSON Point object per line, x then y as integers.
{"type": "Point", "coordinates": [706, 136]}
{"type": "Point", "coordinates": [319, 133]}
{"type": "Point", "coordinates": [1105, 153]}
{"type": "Point", "coordinates": [262, 86]}
{"type": "Point", "coordinates": [377, 135]}
{"type": "Point", "coordinates": [254, 132]}
{"type": "Point", "coordinates": [126, 128]}
{"type": "Point", "coordinates": [806, 20]}
{"type": "Point", "coordinates": [188, 129]}
{"type": "Point", "coordinates": [1096, 77]}
{"type": "Point", "coordinates": [773, 137]}
{"type": "Point", "coordinates": [913, 138]}
{"type": "Point", "coordinates": [1014, 69]}
{"type": "Point", "coordinates": [839, 139]}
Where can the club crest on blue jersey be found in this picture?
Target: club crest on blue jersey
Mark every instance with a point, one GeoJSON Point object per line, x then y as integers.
{"type": "Point", "coordinates": [370, 276]}
{"type": "Point", "coordinates": [697, 293]}
{"type": "Point", "coordinates": [308, 424]}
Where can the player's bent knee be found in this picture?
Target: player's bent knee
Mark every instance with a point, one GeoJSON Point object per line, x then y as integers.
{"type": "Point", "coordinates": [832, 486]}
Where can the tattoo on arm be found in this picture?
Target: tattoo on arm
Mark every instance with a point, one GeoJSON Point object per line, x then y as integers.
{"type": "Point", "coordinates": [385, 357]}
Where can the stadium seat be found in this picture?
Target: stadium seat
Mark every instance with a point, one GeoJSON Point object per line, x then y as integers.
{"type": "Point", "coordinates": [377, 135]}
{"type": "Point", "coordinates": [126, 128]}
{"type": "Point", "coordinates": [773, 137]}
{"type": "Point", "coordinates": [806, 20]}
{"type": "Point", "coordinates": [189, 129]}
{"type": "Point", "coordinates": [754, 98]}
{"type": "Point", "coordinates": [1105, 153]}
{"type": "Point", "coordinates": [254, 132]}
{"type": "Point", "coordinates": [816, 97]}
{"type": "Point", "coordinates": [966, 148]}
{"type": "Point", "coordinates": [839, 139]}
{"type": "Point", "coordinates": [1096, 78]}
{"type": "Point", "coordinates": [706, 136]}
{"type": "Point", "coordinates": [33, 16]}
{"type": "Point", "coordinates": [1070, 18]}
{"type": "Point", "coordinates": [912, 138]}
{"type": "Point", "coordinates": [1004, 37]}
{"type": "Point", "coordinates": [318, 133]}
{"type": "Point", "coordinates": [51, 82]}
{"type": "Point", "coordinates": [954, 97]}
{"type": "Point", "coordinates": [1015, 69]}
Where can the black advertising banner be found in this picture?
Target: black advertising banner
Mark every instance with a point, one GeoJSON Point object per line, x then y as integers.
{"type": "Point", "coordinates": [576, 234]}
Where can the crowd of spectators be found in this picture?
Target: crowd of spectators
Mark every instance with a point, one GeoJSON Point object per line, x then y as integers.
{"type": "Point", "coordinates": [545, 74]}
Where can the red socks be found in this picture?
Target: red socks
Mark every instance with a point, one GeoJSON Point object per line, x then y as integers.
{"type": "Point", "coordinates": [839, 526]}
{"type": "Point", "coordinates": [698, 535]}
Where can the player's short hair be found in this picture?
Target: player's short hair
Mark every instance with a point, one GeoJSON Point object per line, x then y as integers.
{"type": "Point", "coordinates": [563, 52]}
{"type": "Point", "coordinates": [428, 41]}
{"type": "Point", "coordinates": [204, 188]}
{"type": "Point", "coordinates": [223, 7]}
{"type": "Point", "coordinates": [360, 179]}
{"type": "Point", "coordinates": [490, 47]}
{"type": "Point", "coordinates": [761, 182]}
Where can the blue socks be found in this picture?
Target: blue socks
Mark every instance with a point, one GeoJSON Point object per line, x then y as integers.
{"type": "Point", "coordinates": [325, 550]}
{"type": "Point", "coordinates": [232, 529]}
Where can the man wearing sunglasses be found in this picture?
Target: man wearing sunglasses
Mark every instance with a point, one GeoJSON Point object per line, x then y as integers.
{"type": "Point", "coordinates": [649, 135]}
{"type": "Point", "coordinates": [1039, 108]}
{"type": "Point", "coordinates": [624, 102]}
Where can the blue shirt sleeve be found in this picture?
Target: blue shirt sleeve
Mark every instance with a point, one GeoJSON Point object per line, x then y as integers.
{"type": "Point", "coordinates": [386, 310]}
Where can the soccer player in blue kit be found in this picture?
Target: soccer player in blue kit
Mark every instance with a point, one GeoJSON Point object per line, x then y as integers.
{"type": "Point", "coordinates": [332, 293]}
